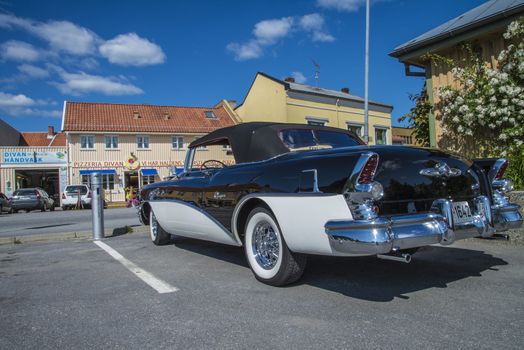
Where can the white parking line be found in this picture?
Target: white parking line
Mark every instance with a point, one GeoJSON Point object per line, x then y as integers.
{"type": "Point", "coordinates": [155, 283]}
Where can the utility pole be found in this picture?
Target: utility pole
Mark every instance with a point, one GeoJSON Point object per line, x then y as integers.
{"type": "Point", "coordinates": [366, 78]}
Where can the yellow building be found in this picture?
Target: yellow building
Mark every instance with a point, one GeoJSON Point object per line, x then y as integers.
{"type": "Point", "coordinates": [403, 136]}
{"type": "Point", "coordinates": [481, 27]}
{"type": "Point", "coordinates": [272, 99]}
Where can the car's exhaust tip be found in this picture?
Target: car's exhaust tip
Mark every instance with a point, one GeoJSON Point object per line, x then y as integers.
{"type": "Point", "coordinates": [403, 257]}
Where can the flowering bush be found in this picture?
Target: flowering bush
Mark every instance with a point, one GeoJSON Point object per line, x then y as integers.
{"type": "Point", "coordinates": [487, 111]}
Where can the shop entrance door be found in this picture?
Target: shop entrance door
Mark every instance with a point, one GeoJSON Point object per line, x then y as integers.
{"type": "Point", "coordinates": [131, 181]}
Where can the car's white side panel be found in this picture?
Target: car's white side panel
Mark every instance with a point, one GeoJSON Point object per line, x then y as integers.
{"type": "Point", "coordinates": [302, 219]}
{"type": "Point", "coordinates": [182, 219]}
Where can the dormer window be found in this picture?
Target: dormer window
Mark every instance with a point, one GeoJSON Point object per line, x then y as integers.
{"type": "Point", "coordinates": [210, 115]}
{"type": "Point", "coordinates": [136, 115]}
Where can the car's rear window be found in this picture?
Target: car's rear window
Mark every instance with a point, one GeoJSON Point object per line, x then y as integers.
{"type": "Point", "coordinates": [75, 189]}
{"type": "Point", "coordinates": [306, 139]}
{"type": "Point", "coordinates": [24, 192]}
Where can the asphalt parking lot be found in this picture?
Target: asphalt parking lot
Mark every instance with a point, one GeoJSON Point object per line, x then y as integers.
{"type": "Point", "coordinates": [75, 295]}
{"type": "Point", "coordinates": [58, 221]}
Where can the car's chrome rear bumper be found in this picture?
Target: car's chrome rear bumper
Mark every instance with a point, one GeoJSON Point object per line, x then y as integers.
{"type": "Point", "coordinates": [384, 235]}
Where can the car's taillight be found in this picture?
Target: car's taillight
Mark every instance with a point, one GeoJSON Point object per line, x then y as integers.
{"type": "Point", "coordinates": [37, 195]}
{"type": "Point", "coordinates": [368, 172]}
{"type": "Point", "coordinates": [63, 196]}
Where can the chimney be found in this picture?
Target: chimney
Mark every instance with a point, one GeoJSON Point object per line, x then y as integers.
{"type": "Point", "coordinates": [136, 115]}
{"type": "Point", "coordinates": [290, 79]}
{"type": "Point", "coordinates": [232, 103]}
{"type": "Point", "coordinates": [50, 132]}
{"type": "Point", "coordinates": [167, 116]}
{"type": "Point", "coordinates": [345, 90]}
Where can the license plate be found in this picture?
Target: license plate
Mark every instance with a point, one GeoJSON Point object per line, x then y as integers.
{"type": "Point", "coordinates": [461, 212]}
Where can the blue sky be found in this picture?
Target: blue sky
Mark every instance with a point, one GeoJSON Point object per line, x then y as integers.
{"type": "Point", "coordinates": [195, 53]}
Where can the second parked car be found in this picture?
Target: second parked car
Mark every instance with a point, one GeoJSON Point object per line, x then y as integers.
{"type": "Point", "coordinates": [5, 204]}
{"type": "Point", "coordinates": [31, 199]}
{"type": "Point", "coordinates": [76, 195]}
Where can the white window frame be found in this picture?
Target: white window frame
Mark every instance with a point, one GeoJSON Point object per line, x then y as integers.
{"type": "Point", "coordinates": [179, 146]}
{"type": "Point", "coordinates": [113, 137]}
{"type": "Point", "coordinates": [316, 121]}
{"type": "Point", "coordinates": [138, 144]}
{"type": "Point", "coordinates": [358, 125]}
{"type": "Point", "coordinates": [87, 143]}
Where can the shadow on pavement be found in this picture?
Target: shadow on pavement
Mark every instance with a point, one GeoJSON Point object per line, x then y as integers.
{"type": "Point", "coordinates": [369, 278]}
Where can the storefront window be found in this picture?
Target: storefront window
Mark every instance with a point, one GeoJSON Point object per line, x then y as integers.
{"type": "Point", "coordinates": [380, 136]}
{"type": "Point", "coordinates": [177, 142]}
{"type": "Point", "coordinates": [87, 141]}
{"type": "Point", "coordinates": [108, 181]}
{"type": "Point", "coordinates": [111, 142]}
{"type": "Point", "coordinates": [148, 179]}
{"type": "Point", "coordinates": [142, 142]}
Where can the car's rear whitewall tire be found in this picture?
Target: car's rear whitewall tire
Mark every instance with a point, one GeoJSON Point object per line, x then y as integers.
{"type": "Point", "coordinates": [158, 235]}
{"type": "Point", "coordinates": [267, 253]}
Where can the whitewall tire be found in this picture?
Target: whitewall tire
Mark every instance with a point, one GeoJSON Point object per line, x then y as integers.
{"type": "Point", "coordinates": [158, 235]}
{"type": "Point", "coordinates": [267, 253]}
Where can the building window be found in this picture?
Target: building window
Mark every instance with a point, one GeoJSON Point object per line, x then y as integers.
{"type": "Point", "coordinates": [87, 142]}
{"type": "Point", "coordinates": [108, 181]}
{"type": "Point", "coordinates": [210, 115]}
{"type": "Point", "coordinates": [148, 179]}
{"type": "Point", "coordinates": [111, 142]}
{"type": "Point", "coordinates": [356, 128]}
{"type": "Point", "coordinates": [177, 142]}
{"type": "Point", "coordinates": [142, 142]}
{"type": "Point", "coordinates": [316, 121]}
{"type": "Point", "coordinates": [381, 136]}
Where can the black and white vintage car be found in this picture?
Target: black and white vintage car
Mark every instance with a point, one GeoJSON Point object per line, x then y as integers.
{"type": "Point", "coordinates": [289, 190]}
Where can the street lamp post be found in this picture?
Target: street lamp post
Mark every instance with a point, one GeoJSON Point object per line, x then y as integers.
{"type": "Point", "coordinates": [366, 78]}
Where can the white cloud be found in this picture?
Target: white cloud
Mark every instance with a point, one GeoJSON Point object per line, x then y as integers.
{"type": "Point", "coordinates": [82, 83]}
{"type": "Point", "coordinates": [62, 36]}
{"type": "Point", "coordinates": [299, 77]}
{"type": "Point", "coordinates": [342, 5]}
{"type": "Point", "coordinates": [249, 50]}
{"type": "Point", "coordinates": [315, 24]}
{"type": "Point", "coordinates": [67, 37]}
{"type": "Point", "coordinates": [74, 40]}
{"type": "Point", "coordinates": [20, 100]}
{"type": "Point", "coordinates": [19, 51]}
{"type": "Point", "coordinates": [132, 50]}
{"type": "Point", "coordinates": [269, 31]}
{"type": "Point", "coordinates": [33, 71]}
{"type": "Point", "coordinates": [22, 105]}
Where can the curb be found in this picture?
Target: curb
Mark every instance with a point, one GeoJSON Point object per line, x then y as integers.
{"type": "Point", "coordinates": [118, 231]}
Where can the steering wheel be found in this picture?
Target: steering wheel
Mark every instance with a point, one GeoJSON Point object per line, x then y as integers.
{"type": "Point", "coordinates": [204, 165]}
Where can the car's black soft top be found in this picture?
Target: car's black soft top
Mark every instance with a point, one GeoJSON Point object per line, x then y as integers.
{"type": "Point", "coordinates": [256, 141]}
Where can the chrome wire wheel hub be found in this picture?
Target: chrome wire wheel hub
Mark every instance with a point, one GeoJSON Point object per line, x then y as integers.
{"type": "Point", "coordinates": [265, 245]}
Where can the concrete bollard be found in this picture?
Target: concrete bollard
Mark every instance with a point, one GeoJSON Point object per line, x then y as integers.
{"type": "Point", "coordinates": [97, 206]}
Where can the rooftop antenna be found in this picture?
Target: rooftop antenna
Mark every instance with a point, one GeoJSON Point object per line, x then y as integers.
{"type": "Point", "coordinates": [317, 72]}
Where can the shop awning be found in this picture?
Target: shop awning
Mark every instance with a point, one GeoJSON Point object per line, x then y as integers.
{"type": "Point", "coordinates": [149, 172]}
{"type": "Point", "coordinates": [101, 171]}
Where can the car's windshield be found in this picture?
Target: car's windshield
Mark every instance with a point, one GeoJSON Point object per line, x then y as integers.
{"type": "Point", "coordinates": [75, 189]}
{"type": "Point", "coordinates": [24, 192]}
{"type": "Point", "coordinates": [307, 139]}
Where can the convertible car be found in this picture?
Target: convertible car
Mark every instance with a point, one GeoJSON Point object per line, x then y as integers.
{"type": "Point", "coordinates": [285, 191]}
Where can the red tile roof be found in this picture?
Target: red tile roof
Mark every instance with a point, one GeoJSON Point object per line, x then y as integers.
{"type": "Point", "coordinates": [107, 117]}
{"type": "Point", "coordinates": [39, 139]}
